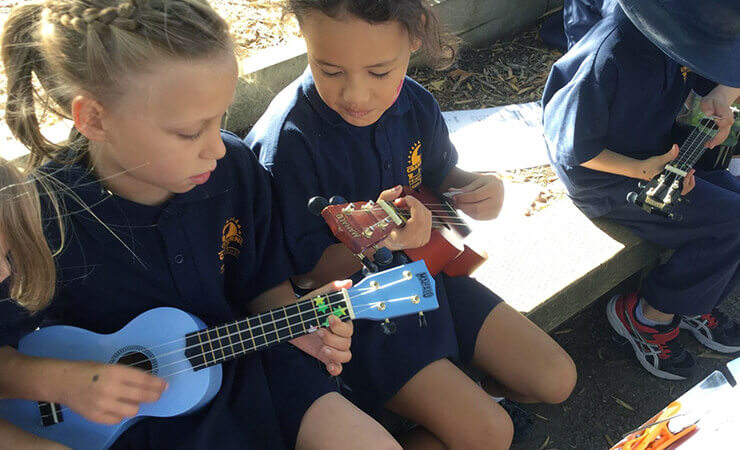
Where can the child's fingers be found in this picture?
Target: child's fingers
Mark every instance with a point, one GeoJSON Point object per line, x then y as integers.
{"type": "Point", "coordinates": [330, 355]}
{"type": "Point", "coordinates": [390, 194]}
{"type": "Point", "coordinates": [341, 328]}
{"type": "Point", "coordinates": [332, 340]}
{"type": "Point", "coordinates": [140, 379]}
{"type": "Point", "coordinates": [138, 395]}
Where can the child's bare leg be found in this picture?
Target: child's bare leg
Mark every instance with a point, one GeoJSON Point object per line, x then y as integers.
{"type": "Point", "coordinates": [332, 422]}
{"type": "Point", "coordinates": [525, 364]}
{"type": "Point", "coordinates": [420, 439]}
{"type": "Point", "coordinates": [445, 401]}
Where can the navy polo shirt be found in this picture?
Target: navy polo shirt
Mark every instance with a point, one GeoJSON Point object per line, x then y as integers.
{"type": "Point", "coordinates": [579, 16]}
{"type": "Point", "coordinates": [613, 90]}
{"type": "Point", "coordinates": [310, 150]}
{"type": "Point", "coordinates": [208, 252]}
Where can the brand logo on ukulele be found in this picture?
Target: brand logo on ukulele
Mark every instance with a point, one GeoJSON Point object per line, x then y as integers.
{"type": "Point", "coordinates": [426, 286]}
{"type": "Point", "coordinates": [413, 170]}
{"type": "Point", "coordinates": [231, 240]}
{"type": "Point", "coordinates": [350, 229]}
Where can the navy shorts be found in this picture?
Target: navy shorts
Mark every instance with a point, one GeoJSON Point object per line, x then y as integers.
{"type": "Point", "coordinates": [296, 381]}
{"type": "Point", "coordinates": [381, 364]}
{"type": "Point", "coordinates": [470, 304]}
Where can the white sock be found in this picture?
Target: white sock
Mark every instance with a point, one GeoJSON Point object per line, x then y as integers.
{"type": "Point", "coordinates": [644, 320]}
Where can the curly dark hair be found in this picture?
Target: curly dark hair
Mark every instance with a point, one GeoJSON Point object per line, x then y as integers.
{"type": "Point", "coordinates": [438, 47]}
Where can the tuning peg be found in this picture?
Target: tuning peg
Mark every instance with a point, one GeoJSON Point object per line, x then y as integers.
{"type": "Point", "coordinates": [337, 200]}
{"type": "Point", "coordinates": [369, 266]}
{"type": "Point", "coordinates": [676, 216]}
{"type": "Point", "coordinates": [388, 327]}
{"type": "Point", "coordinates": [684, 200]}
{"type": "Point", "coordinates": [317, 204]}
{"type": "Point", "coordinates": [641, 184]}
{"type": "Point", "coordinates": [383, 256]}
{"type": "Point", "coordinates": [632, 197]}
{"type": "Point", "coordinates": [422, 320]}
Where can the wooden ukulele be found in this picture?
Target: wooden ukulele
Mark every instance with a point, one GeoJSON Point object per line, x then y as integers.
{"type": "Point", "coordinates": [661, 194]}
{"type": "Point", "coordinates": [361, 225]}
{"type": "Point", "coordinates": [177, 346]}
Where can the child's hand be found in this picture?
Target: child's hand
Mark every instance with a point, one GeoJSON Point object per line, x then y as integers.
{"type": "Point", "coordinates": [716, 104]}
{"type": "Point", "coordinates": [329, 345]}
{"type": "Point", "coordinates": [647, 169]}
{"type": "Point", "coordinates": [106, 393]}
{"type": "Point", "coordinates": [482, 199]}
{"type": "Point", "coordinates": [418, 227]}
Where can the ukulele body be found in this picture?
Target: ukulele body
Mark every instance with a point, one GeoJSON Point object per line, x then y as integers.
{"type": "Point", "coordinates": [140, 340]}
{"type": "Point", "coordinates": [445, 251]}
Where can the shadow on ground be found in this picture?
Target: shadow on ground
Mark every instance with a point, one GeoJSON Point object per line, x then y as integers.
{"type": "Point", "coordinates": [614, 394]}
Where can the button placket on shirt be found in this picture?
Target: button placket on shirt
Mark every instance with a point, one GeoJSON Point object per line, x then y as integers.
{"type": "Point", "coordinates": [181, 264]}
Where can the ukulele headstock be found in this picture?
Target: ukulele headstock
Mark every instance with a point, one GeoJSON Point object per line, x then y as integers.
{"type": "Point", "coordinates": [360, 225]}
{"type": "Point", "coordinates": [395, 292]}
{"type": "Point", "coordinates": [660, 195]}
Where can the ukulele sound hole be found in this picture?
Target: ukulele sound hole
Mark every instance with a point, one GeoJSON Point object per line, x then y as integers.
{"type": "Point", "coordinates": [137, 360]}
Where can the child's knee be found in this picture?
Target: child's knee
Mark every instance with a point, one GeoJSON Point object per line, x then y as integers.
{"type": "Point", "coordinates": [560, 380]}
{"type": "Point", "coordinates": [493, 430]}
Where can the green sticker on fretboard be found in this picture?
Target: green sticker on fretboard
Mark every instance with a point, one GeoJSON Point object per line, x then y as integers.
{"type": "Point", "coordinates": [320, 305]}
{"type": "Point", "coordinates": [339, 311]}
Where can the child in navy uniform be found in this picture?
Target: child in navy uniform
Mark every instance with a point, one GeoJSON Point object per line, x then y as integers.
{"type": "Point", "coordinates": [579, 16]}
{"type": "Point", "coordinates": [162, 209]}
{"type": "Point", "coordinates": [29, 274]}
{"type": "Point", "coordinates": [354, 125]}
{"type": "Point", "coordinates": [609, 110]}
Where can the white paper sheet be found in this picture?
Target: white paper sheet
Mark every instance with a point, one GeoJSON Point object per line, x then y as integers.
{"type": "Point", "coordinates": [495, 139]}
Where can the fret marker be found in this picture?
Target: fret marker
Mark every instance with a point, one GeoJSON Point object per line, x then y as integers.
{"type": "Point", "coordinates": [320, 305]}
{"type": "Point", "coordinates": [339, 311]}
{"type": "Point", "coordinates": [312, 329]}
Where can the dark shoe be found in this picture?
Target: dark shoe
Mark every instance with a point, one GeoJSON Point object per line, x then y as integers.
{"type": "Point", "coordinates": [656, 347]}
{"type": "Point", "coordinates": [715, 330]}
{"type": "Point", "coordinates": [521, 419]}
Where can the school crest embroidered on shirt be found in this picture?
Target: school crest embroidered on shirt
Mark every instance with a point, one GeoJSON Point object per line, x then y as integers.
{"type": "Point", "coordinates": [231, 239]}
{"type": "Point", "coordinates": [413, 169]}
{"type": "Point", "coordinates": [685, 72]}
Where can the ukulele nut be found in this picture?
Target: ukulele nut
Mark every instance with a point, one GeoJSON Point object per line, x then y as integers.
{"type": "Point", "coordinates": [375, 285]}
{"type": "Point", "coordinates": [415, 299]}
{"type": "Point", "coordinates": [381, 306]}
{"type": "Point", "coordinates": [407, 275]}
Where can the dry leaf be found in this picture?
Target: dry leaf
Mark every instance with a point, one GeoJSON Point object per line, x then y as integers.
{"type": "Point", "coordinates": [622, 403]}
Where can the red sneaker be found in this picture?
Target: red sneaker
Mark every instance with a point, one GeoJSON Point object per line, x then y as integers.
{"type": "Point", "coordinates": [656, 347]}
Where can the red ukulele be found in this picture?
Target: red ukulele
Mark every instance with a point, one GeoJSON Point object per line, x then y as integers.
{"type": "Point", "coordinates": [361, 225]}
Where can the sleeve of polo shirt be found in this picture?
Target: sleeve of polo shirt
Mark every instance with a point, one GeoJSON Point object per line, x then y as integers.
{"type": "Point", "coordinates": [15, 321]}
{"type": "Point", "coordinates": [296, 180]}
{"type": "Point", "coordinates": [441, 156]}
{"type": "Point", "coordinates": [576, 122]}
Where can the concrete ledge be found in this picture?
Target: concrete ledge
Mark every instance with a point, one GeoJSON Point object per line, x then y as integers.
{"type": "Point", "coordinates": [477, 22]}
{"type": "Point", "coordinates": [555, 263]}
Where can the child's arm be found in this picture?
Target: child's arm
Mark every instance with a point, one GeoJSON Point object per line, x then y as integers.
{"type": "Point", "coordinates": [18, 439]}
{"type": "Point", "coordinates": [330, 346]}
{"type": "Point", "coordinates": [642, 169]}
{"type": "Point", "coordinates": [717, 103]}
{"type": "Point", "coordinates": [103, 393]}
{"type": "Point", "coordinates": [477, 195]}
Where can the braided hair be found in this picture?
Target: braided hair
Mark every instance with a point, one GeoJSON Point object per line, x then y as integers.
{"type": "Point", "coordinates": [93, 46]}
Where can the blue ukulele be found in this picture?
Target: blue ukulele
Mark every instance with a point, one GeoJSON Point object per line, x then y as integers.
{"type": "Point", "coordinates": [177, 346]}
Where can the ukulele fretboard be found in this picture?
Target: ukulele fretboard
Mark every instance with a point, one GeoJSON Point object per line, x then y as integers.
{"type": "Point", "coordinates": [225, 342]}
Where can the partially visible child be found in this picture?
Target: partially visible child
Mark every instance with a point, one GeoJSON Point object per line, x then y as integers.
{"type": "Point", "coordinates": [579, 16]}
{"type": "Point", "coordinates": [354, 125]}
{"type": "Point", "coordinates": [26, 263]}
{"type": "Point", "coordinates": [609, 119]}
{"type": "Point", "coordinates": [163, 209]}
